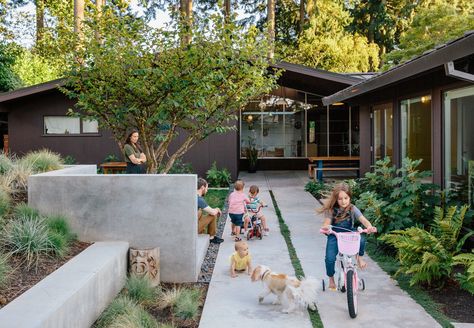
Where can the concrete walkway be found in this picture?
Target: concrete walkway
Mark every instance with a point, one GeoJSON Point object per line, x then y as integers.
{"type": "Point", "coordinates": [233, 302]}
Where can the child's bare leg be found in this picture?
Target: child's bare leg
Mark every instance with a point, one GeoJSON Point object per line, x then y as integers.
{"type": "Point", "coordinates": [360, 262]}
{"type": "Point", "coordinates": [264, 222]}
{"type": "Point", "coordinates": [246, 223]}
{"type": "Point", "coordinates": [249, 268]}
{"type": "Point", "coordinates": [332, 283]}
{"type": "Point", "coordinates": [232, 270]}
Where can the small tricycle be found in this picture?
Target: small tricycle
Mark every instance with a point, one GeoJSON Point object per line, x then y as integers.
{"type": "Point", "coordinates": [255, 228]}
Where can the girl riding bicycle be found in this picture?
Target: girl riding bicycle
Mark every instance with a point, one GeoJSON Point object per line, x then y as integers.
{"type": "Point", "coordinates": [340, 213]}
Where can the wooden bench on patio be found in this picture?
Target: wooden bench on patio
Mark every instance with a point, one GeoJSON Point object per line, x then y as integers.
{"type": "Point", "coordinates": [113, 167]}
{"type": "Point", "coordinates": [316, 165]}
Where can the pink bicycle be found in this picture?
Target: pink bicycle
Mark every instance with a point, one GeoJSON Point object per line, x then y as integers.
{"type": "Point", "coordinates": [348, 244]}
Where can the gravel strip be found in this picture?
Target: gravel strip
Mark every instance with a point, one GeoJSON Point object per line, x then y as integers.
{"type": "Point", "coordinates": [208, 264]}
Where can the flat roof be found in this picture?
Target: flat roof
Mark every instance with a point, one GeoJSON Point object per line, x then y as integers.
{"type": "Point", "coordinates": [438, 56]}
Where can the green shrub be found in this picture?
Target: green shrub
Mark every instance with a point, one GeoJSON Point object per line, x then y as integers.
{"type": "Point", "coordinates": [140, 290]}
{"type": "Point", "coordinates": [6, 163]}
{"type": "Point", "coordinates": [5, 270]}
{"type": "Point", "coordinates": [218, 178]}
{"type": "Point", "coordinates": [23, 210]}
{"type": "Point", "coordinates": [316, 188]}
{"type": "Point", "coordinates": [428, 256]}
{"type": "Point", "coordinates": [43, 160]}
{"type": "Point", "coordinates": [180, 168]}
{"type": "Point", "coordinates": [28, 238]}
{"type": "Point", "coordinates": [111, 158]}
{"type": "Point", "coordinates": [187, 304]}
{"type": "Point", "coordinates": [69, 160]}
{"type": "Point", "coordinates": [466, 280]}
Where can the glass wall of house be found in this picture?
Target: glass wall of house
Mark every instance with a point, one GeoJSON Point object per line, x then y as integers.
{"type": "Point", "coordinates": [382, 127]}
{"type": "Point", "coordinates": [459, 143]}
{"type": "Point", "coordinates": [293, 124]}
{"type": "Point", "coordinates": [416, 130]}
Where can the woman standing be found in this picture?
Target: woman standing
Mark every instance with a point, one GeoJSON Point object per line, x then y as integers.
{"type": "Point", "coordinates": [134, 155]}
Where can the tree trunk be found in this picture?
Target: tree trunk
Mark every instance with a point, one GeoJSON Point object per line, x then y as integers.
{"type": "Point", "coordinates": [302, 13]}
{"type": "Point", "coordinates": [79, 17]}
{"type": "Point", "coordinates": [99, 5]}
{"type": "Point", "coordinates": [226, 10]}
{"type": "Point", "coordinates": [186, 15]}
{"type": "Point", "coordinates": [146, 263]}
{"type": "Point", "coordinates": [271, 27]}
{"type": "Point", "coordinates": [39, 20]}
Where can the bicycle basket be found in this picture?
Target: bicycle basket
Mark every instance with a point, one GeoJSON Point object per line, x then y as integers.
{"type": "Point", "coordinates": [348, 243]}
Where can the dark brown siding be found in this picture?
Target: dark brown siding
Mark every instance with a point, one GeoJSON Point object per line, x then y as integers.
{"type": "Point", "coordinates": [25, 129]}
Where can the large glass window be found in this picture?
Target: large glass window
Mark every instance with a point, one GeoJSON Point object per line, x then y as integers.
{"type": "Point", "coordinates": [66, 125]}
{"type": "Point", "coordinates": [382, 121]}
{"type": "Point", "coordinates": [416, 130]}
{"type": "Point", "coordinates": [459, 143]}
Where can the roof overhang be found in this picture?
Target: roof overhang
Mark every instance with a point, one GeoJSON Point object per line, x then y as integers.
{"type": "Point", "coordinates": [31, 90]}
{"type": "Point", "coordinates": [437, 57]}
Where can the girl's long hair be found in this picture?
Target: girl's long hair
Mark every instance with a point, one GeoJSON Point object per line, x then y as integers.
{"type": "Point", "coordinates": [129, 142]}
{"type": "Point", "coordinates": [331, 202]}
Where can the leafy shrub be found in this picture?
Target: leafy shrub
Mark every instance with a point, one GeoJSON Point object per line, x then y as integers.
{"type": "Point", "coordinates": [42, 160]}
{"type": "Point", "coordinates": [428, 256]}
{"type": "Point", "coordinates": [180, 168]}
{"type": "Point", "coordinates": [218, 178]}
{"type": "Point", "coordinates": [111, 158]}
{"type": "Point", "coordinates": [379, 181]}
{"type": "Point", "coordinates": [69, 160]}
{"type": "Point", "coordinates": [6, 163]}
{"type": "Point", "coordinates": [5, 269]}
{"type": "Point", "coordinates": [23, 210]}
{"type": "Point", "coordinates": [140, 290]}
{"type": "Point", "coordinates": [28, 238]}
{"type": "Point", "coordinates": [466, 280]}
{"type": "Point", "coordinates": [316, 188]}
{"type": "Point", "coordinates": [187, 304]}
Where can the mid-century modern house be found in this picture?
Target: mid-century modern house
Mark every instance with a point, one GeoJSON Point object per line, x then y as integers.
{"type": "Point", "coordinates": [423, 108]}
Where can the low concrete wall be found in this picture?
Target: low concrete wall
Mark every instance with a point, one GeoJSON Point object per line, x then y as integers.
{"type": "Point", "coordinates": [75, 294]}
{"type": "Point", "coordinates": [150, 210]}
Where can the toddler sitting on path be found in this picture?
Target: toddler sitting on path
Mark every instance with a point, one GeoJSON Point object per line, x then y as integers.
{"type": "Point", "coordinates": [237, 201]}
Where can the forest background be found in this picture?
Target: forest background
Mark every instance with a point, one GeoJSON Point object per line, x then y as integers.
{"type": "Point", "coordinates": [335, 35]}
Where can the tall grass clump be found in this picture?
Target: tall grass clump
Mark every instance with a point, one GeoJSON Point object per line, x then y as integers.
{"type": "Point", "coordinates": [187, 304]}
{"type": "Point", "coordinates": [168, 298]}
{"type": "Point", "coordinates": [140, 289]}
{"type": "Point", "coordinates": [59, 224]}
{"type": "Point", "coordinates": [5, 269]}
{"type": "Point", "coordinates": [43, 160]}
{"type": "Point", "coordinates": [27, 238]}
{"type": "Point", "coordinates": [4, 202]}
{"type": "Point", "coordinates": [22, 210]}
{"type": "Point", "coordinates": [15, 181]}
{"type": "Point", "coordinates": [6, 163]}
{"type": "Point", "coordinates": [125, 312]}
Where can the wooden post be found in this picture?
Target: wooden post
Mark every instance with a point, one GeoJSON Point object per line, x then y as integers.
{"type": "Point", "coordinates": [146, 263]}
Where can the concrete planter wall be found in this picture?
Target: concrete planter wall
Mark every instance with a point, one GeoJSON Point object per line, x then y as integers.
{"type": "Point", "coordinates": [75, 294]}
{"type": "Point", "coordinates": [145, 210]}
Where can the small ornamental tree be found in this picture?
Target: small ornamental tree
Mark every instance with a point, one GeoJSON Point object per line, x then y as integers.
{"type": "Point", "coordinates": [134, 76]}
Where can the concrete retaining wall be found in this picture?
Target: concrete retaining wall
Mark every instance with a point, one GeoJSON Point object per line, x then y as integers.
{"type": "Point", "coordinates": [146, 210]}
{"type": "Point", "coordinates": [75, 294]}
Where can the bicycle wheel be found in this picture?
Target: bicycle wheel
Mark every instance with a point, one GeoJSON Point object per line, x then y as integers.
{"type": "Point", "coordinates": [351, 293]}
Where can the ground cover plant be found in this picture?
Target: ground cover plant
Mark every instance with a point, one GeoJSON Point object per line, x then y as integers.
{"type": "Point", "coordinates": [218, 177]}
{"type": "Point", "coordinates": [317, 188]}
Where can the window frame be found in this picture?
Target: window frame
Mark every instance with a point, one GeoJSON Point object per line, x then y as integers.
{"type": "Point", "coordinates": [81, 129]}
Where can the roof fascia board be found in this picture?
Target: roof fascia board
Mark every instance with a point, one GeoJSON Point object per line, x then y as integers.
{"type": "Point", "coordinates": [31, 90]}
{"type": "Point", "coordinates": [439, 57]}
{"type": "Point", "coordinates": [326, 75]}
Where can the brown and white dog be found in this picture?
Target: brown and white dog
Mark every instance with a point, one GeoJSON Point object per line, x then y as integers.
{"type": "Point", "coordinates": [291, 292]}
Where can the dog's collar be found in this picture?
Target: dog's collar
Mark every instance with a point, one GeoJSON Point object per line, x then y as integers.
{"type": "Point", "coordinates": [264, 273]}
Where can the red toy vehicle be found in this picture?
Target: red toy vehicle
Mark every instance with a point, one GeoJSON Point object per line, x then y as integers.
{"type": "Point", "coordinates": [255, 229]}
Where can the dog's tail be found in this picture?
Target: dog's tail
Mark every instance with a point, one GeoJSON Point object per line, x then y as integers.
{"type": "Point", "coordinates": [306, 293]}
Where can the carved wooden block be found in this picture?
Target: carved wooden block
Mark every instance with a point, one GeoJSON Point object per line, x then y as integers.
{"type": "Point", "coordinates": [146, 263]}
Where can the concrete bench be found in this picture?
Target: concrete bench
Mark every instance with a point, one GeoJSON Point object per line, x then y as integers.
{"type": "Point", "coordinates": [75, 294]}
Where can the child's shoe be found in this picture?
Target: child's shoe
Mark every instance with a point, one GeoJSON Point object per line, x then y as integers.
{"type": "Point", "coordinates": [266, 232]}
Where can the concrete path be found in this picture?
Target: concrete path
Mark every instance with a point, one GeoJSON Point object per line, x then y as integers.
{"type": "Point", "coordinates": [233, 302]}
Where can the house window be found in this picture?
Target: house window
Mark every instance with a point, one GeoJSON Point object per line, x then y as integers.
{"type": "Point", "coordinates": [416, 130]}
{"type": "Point", "coordinates": [382, 124]}
{"type": "Point", "coordinates": [459, 143]}
{"type": "Point", "coordinates": [65, 125]}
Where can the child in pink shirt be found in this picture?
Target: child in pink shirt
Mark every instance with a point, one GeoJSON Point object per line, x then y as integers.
{"type": "Point", "coordinates": [237, 202]}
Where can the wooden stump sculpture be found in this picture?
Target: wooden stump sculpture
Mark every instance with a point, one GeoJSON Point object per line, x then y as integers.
{"type": "Point", "coordinates": [146, 263]}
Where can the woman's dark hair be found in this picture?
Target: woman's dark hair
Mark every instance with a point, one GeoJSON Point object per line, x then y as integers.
{"type": "Point", "coordinates": [128, 142]}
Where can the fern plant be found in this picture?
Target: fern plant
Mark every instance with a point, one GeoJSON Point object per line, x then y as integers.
{"type": "Point", "coordinates": [466, 279]}
{"type": "Point", "coordinates": [218, 178]}
{"type": "Point", "coordinates": [428, 255]}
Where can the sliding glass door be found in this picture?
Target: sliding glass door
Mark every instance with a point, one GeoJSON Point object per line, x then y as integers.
{"type": "Point", "coordinates": [382, 132]}
{"type": "Point", "coordinates": [459, 143]}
